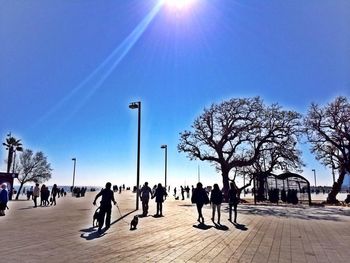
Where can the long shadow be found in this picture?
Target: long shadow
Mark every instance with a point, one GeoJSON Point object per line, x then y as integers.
{"type": "Point", "coordinates": [240, 226]}
{"type": "Point", "coordinates": [202, 226]}
{"type": "Point", "coordinates": [93, 235]}
{"type": "Point", "coordinates": [25, 208]}
{"type": "Point", "coordinates": [221, 227]}
{"type": "Point", "coordinates": [186, 205]}
{"type": "Point", "coordinates": [122, 217]}
{"type": "Point", "coordinates": [90, 233]}
{"type": "Point", "coordinates": [297, 212]}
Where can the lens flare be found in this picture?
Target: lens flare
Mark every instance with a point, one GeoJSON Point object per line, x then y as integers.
{"type": "Point", "coordinates": [179, 4]}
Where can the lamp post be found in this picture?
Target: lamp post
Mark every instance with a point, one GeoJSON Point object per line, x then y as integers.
{"type": "Point", "coordinates": [164, 146]}
{"type": "Point", "coordinates": [75, 161]}
{"type": "Point", "coordinates": [137, 105]}
{"type": "Point", "coordinates": [314, 177]}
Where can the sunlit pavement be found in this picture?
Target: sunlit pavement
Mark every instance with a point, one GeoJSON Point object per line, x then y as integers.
{"type": "Point", "coordinates": [64, 233]}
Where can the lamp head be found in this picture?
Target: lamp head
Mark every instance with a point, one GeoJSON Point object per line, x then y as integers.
{"type": "Point", "coordinates": [164, 146]}
{"type": "Point", "coordinates": [134, 105]}
{"type": "Point", "coordinates": [74, 159]}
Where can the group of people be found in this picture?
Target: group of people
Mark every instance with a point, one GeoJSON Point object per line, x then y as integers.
{"type": "Point", "coordinates": [200, 198]}
{"type": "Point", "coordinates": [44, 194]}
{"type": "Point", "coordinates": [146, 193]}
{"type": "Point", "coordinates": [159, 193]}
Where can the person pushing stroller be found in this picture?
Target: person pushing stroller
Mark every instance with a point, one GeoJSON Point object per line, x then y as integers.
{"type": "Point", "coordinates": [105, 206]}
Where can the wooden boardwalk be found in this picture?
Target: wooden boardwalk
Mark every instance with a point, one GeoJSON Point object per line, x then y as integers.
{"type": "Point", "coordinates": [64, 233]}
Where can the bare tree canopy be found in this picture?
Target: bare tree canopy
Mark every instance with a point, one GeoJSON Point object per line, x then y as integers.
{"type": "Point", "coordinates": [328, 131]}
{"type": "Point", "coordinates": [32, 168]}
{"type": "Point", "coordinates": [237, 133]}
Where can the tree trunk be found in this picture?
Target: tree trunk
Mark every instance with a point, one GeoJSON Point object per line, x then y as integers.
{"type": "Point", "coordinates": [19, 191]}
{"type": "Point", "coordinates": [225, 183]}
{"type": "Point", "coordinates": [9, 159]}
{"type": "Point", "coordinates": [332, 196]}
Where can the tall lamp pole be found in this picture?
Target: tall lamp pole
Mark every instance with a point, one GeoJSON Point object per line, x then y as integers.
{"type": "Point", "coordinates": [137, 105]}
{"type": "Point", "coordinates": [75, 161]}
{"type": "Point", "coordinates": [314, 177]}
{"type": "Point", "coordinates": [164, 146]}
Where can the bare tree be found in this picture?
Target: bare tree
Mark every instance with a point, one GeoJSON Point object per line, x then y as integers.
{"type": "Point", "coordinates": [328, 131]}
{"type": "Point", "coordinates": [237, 132]}
{"type": "Point", "coordinates": [32, 168]}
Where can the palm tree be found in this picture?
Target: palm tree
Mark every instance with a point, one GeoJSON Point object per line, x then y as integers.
{"type": "Point", "coordinates": [12, 145]}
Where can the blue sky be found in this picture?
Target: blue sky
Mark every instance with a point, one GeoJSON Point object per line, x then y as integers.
{"type": "Point", "coordinates": [69, 70]}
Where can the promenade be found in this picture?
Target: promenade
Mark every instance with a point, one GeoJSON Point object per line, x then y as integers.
{"type": "Point", "coordinates": [64, 233]}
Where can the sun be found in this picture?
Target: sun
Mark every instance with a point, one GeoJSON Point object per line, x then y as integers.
{"type": "Point", "coordinates": [179, 4]}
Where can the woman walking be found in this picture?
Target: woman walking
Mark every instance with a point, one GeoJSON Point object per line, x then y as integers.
{"type": "Point", "coordinates": [233, 195]}
{"type": "Point", "coordinates": [200, 198]}
{"type": "Point", "coordinates": [159, 194]}
{"type": "Point", "coordinates": [216, 200]}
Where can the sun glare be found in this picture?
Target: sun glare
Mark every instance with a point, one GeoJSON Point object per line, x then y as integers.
{"type": "Point", "coordinates": [179, 4]}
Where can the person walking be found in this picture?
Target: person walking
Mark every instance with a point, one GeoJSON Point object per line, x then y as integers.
{"type": "Point", "coordinates": [105, 206]}
{"type": "Point", "coordinates": [36, 193]}
{"type": "Point", "coordinates": [233, 198]}
{"type": "Point", "coordinates": [159, 194]}
{"type": "Point", "coordinates": [4, 198]}
{"type": "Point", "coordinates": [182, 193]}
{"type": "Point", "coordinates": [216, 200]}
{"type": "Point", "coordinates": [54, 192]}
{"type": "Point", "coordinates": [145, 194]}
{"type": "Point", "coordinates": [200, 198]}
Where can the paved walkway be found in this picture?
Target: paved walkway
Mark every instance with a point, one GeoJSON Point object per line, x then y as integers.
{"type": "Point", "coordinates": [64, 233]}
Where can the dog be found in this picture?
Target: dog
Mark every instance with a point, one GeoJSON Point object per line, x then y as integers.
{"type": "Point", "coordinates": [134, 223]}
{"type": "Point", "coordinates": [96, 217]}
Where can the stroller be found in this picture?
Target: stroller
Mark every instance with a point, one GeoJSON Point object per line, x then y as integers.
{"type": "Point", "coordinates": [96, 217]}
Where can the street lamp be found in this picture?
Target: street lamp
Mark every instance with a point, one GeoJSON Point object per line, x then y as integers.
{"type": "Point", "coordinates": [75, 161]}
{"type": "Point", "coordinates": [164, 146]}
{"type": "Point", "coordinates": [314, 177]}
{"type": "Point", "coordinates": [137, 105]}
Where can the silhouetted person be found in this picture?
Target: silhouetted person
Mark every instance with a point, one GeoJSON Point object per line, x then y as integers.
{"type": "Point", "coordinates": [174, 191]}
{"type": "Point", "coordinates": [182, 193]}
{"type": "Point", "coordinates": [145, 194]}
{"type": "Point", "coordinates": [233, 197]}
{"type": "Point", "coordinates": [44, 195]}
{"type": "Point", "coordinates": [105, 205]}
{"type": "Point", "coordinates": [4, 198]}
{"type": "Point", "coordinates": [187, 189]}
{"type": "Point", "coordinates": [159, 194]}
{"type": "Point", "coordinates": [36, 193]}
{"type": "Point", "coordinates": [200, 198]}
{"type": "Point", "coordinates": [54, 192]}
{"type": "Point", "coordinates": [216, 200]}
{"type": "Point", "coordinates": [30, 192]}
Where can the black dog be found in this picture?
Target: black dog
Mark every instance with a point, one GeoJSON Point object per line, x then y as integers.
{"type": "Point", "coordinates": [134, 223]}
{"type": "Point", "coordinates": [96, 217]}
